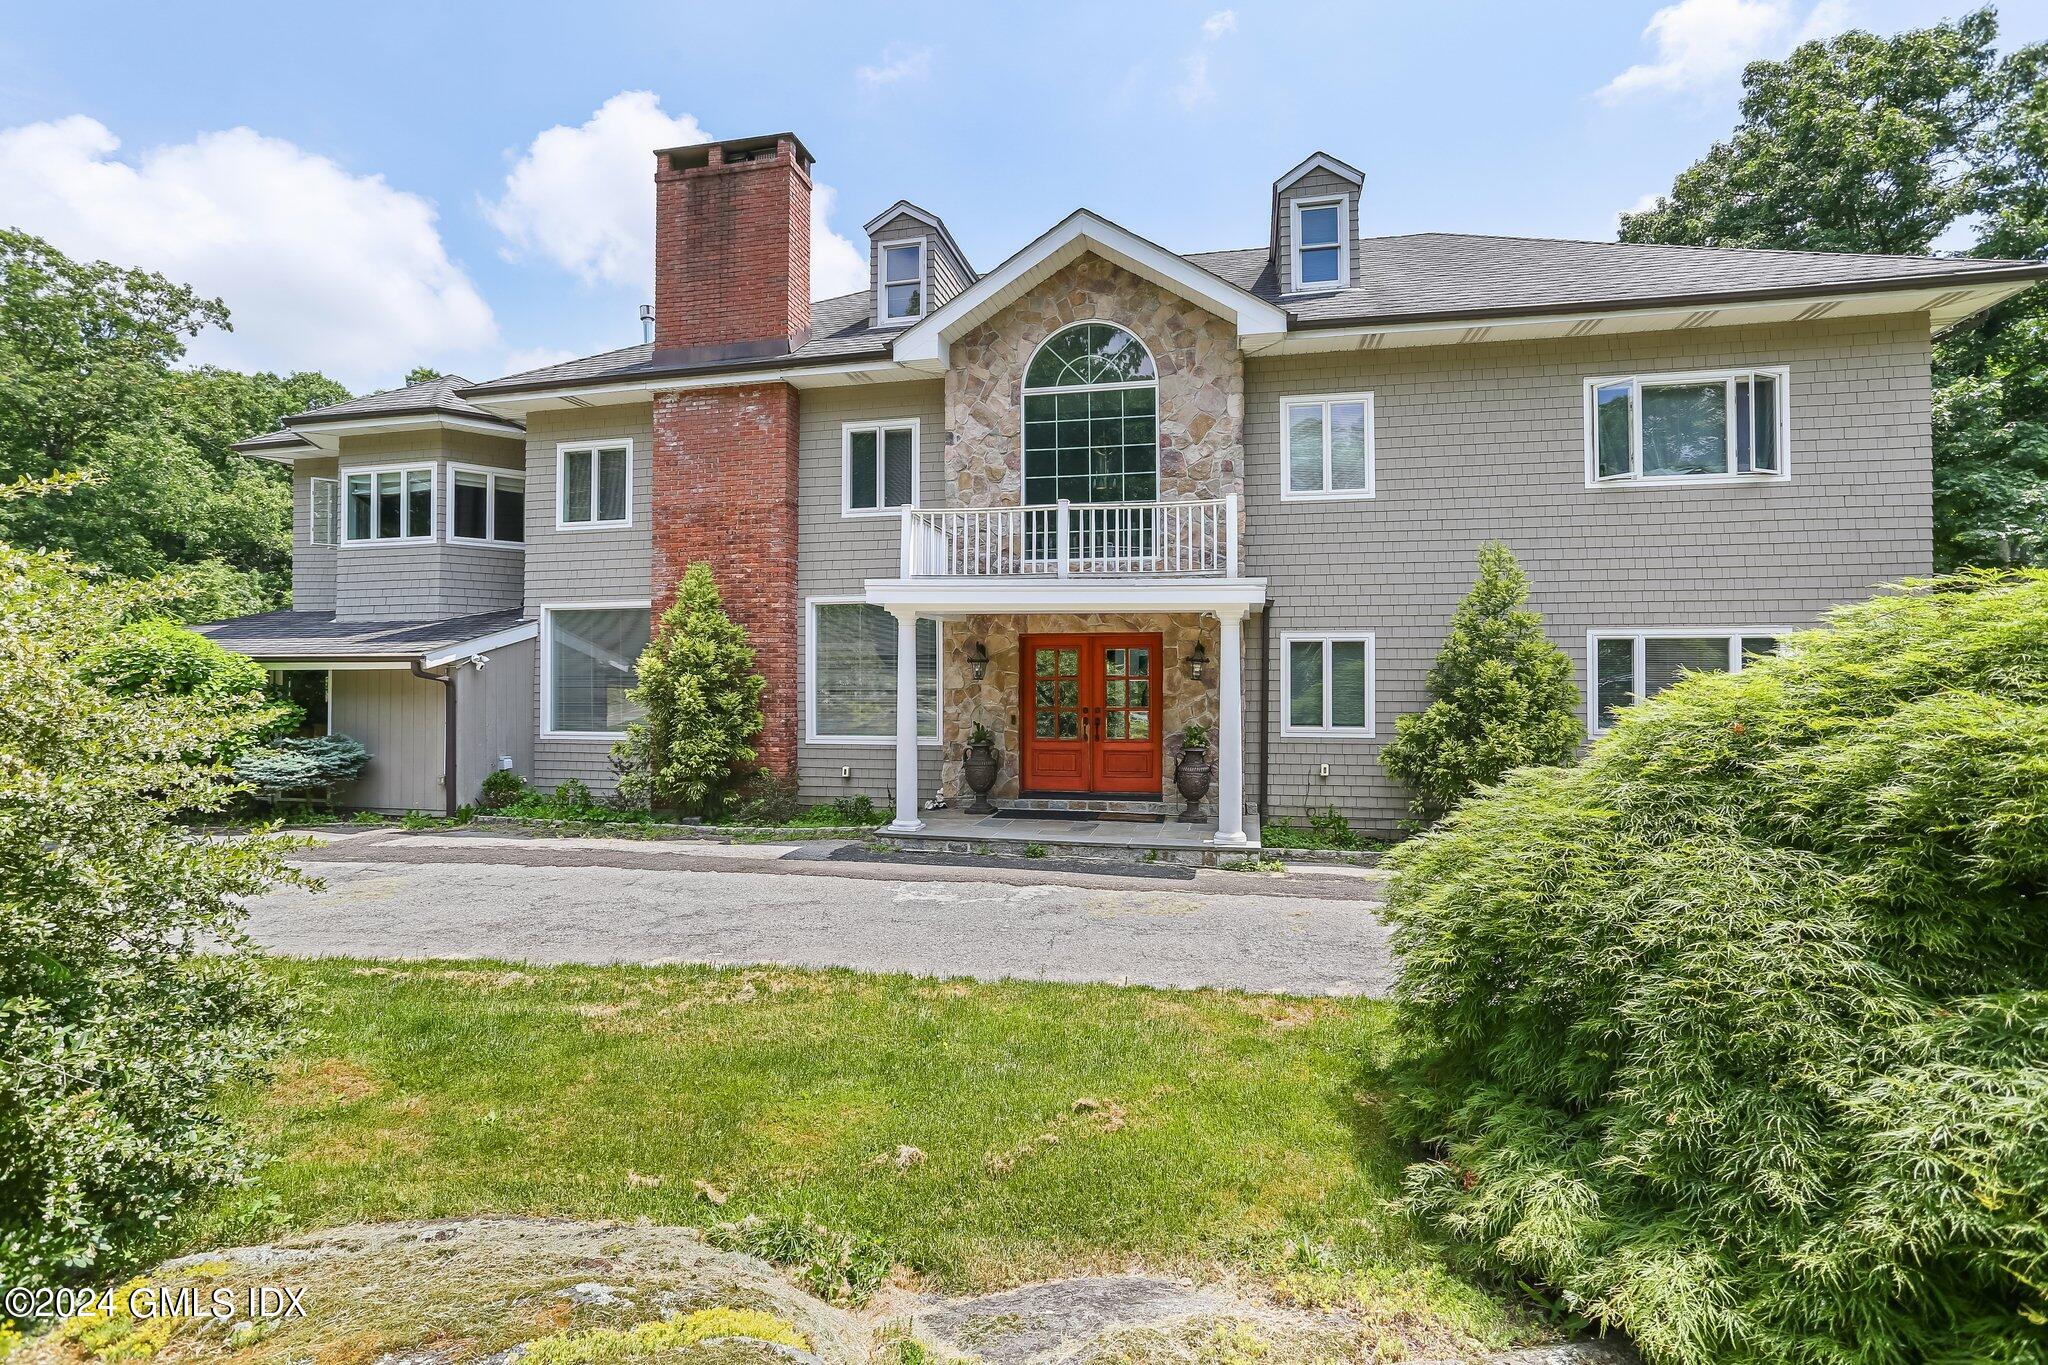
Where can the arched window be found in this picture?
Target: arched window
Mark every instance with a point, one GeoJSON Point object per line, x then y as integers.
{"type": "Point", "coordinates": [1091, 423]}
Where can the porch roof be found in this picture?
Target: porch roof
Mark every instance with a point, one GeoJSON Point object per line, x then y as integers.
{"type": "Point", "coordinates": [315, 637]}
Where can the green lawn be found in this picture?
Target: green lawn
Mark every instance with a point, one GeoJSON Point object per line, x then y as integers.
{"type": "Point", "coordinates": [1061, 1128]}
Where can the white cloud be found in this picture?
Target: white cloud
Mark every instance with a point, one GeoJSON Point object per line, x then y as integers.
{"type": "Point", "coordinates": [533, 358]}
{"type": "Point", "coordinates": [899, 64]}
{"type": "Point", "coordinates": [583, 199]}
{"type": "Point", "coordinates": [1701, 46]}
{"type": "Point", "coordinates": [1194, 89]}
{"type": "Point", "coordinates": [319, 267]}
{"type": "Point", "coordinates": [1221, 22]}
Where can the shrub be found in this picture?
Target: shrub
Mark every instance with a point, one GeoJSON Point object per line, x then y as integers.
{"type": "Point", "coordinates": [1501, 696]}
{"type": "Point", "coordinates": [300, 765]}
{"type": "Point", "coordinates": [128, 996]}
{"type": "Point", "coordinates": [703, 703]}
{"type": "Point", "coordinates": [500, 789]}
{"type": "Point", "coordinates": [160, 656]}
{"type": "Point", "coordinates": [841, 1266]}
{"type": "Point", "coordinates": [1737, 1034]}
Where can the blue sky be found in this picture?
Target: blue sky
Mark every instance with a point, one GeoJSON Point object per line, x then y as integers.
{"type": "Point", "coordinates": [374, 186]}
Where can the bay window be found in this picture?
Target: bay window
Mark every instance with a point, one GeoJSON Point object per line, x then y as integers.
{"type": "Point", "coordinates": [486, 506]}
{"type": "Point", "coordinates": [1674, 428]}
{"type": "Point", "coordinates": [389, 504]}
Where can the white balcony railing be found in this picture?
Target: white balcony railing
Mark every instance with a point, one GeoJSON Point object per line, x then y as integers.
{"type": "Point", "coordinates": [1066, 540]}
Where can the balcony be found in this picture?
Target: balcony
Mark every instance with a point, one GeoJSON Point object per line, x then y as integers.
{"type": "Point", "coordinates": [1152, 541]}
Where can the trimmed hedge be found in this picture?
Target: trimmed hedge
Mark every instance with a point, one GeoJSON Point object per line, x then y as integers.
{"type": "Point", "coordinates": [1736, 1035]}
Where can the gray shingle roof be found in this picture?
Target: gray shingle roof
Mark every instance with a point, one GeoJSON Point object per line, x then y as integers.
{"type": "Point", "coordinates": [433, 396]}
{"type": "Point", "coordinates": [272, 441]}
{"type": "Point", "coordinates": [1418, 276]}
{"type": "Point", "coordinates": [1449, 275]}
{"type": "Point", "coordinates": [316, 637]}
{"type": "Point", "coordinates": [840, 330]}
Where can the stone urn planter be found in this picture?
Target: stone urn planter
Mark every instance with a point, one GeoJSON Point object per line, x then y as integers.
{"type": "Point", "coordinates": [982, 764]}
{"type": "Point", "coordinates": [1194, 772]}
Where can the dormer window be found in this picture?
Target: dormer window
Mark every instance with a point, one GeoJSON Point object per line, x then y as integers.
{"type": "Point", "coordinates": [1321, 253]}
{"type": "Point", "coordinates": [902, 285]}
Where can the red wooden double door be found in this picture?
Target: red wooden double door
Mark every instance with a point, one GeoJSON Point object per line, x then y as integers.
{"type": "Point", "coordinates": [1091, 713]}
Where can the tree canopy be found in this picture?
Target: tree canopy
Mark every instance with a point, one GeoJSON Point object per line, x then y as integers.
{"type": "Point", "coordinates": [91, 382]}
{"type": "Point", "coordinates": [1866, 143]}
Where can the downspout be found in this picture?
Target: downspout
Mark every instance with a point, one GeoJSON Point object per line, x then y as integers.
{"type": "Point", "coordinates": [447, 680]}
{"type": "Point", "coordinates": [1265, 702]}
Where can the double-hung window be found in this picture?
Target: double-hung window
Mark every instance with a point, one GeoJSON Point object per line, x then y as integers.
{"type": "Point", "coordinates": [1329, 447]}
{"type": "Point", "coordinates": [1322, 255]}
{"type": "Point", "coordinates": [852, 674]}
{"type": "Point", "coordinates": [1628, 666]}
{"type": "Point", "coordinates": [902, 283]}
{"type": "Point", "coordinates": [1327, 679]}
{"type": "Point", "coordinates": [1676, 428]}
{"type": "Point", "coordinates": [323, 510]}
{"type": "Point", "coordinates": [486, 506]}
{"type": "Point", "coordinates": [594, 485]}
{"type": "Point", "coordinates": [881, 467]}
{"type": "Point", "coordinates": [592, 659]}
{"type": "Point", "coordinates": [389, 505]}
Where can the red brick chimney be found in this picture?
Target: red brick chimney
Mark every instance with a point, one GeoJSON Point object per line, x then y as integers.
{"type": "Point", "coordinates": [732, 248]}
{"type": "Point", "coordinates": [732, 253]}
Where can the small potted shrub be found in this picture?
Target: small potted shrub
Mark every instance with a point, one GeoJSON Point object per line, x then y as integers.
{"type": "Point", "coordinates": [1193, 773]}
{"type": "Point", "coordinates": [982, 765]}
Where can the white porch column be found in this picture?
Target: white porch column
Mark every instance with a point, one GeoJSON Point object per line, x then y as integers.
{"type": "Point", "coordinates": [906, 722]}
{"type": "Point", "coordinates": [1230, 731]}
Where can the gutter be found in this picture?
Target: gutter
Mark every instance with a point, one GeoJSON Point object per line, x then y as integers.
{"type": "Point", "coordinates": [449, 737]}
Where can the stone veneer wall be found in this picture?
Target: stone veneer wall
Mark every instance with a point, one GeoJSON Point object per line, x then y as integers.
{"type": "Point", "coordinates": [997, 701]}
{"type": "Point", "coordinates": [1201, 385]}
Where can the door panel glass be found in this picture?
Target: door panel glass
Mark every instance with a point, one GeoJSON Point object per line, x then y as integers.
{"type": "Point", "coordinates": [1141, 692]}
{"type": "Point", "coordinates": [1141, 725]}
{"type": "Point", "coordinates": [1141, 663]}
{"type": "Point", "coordinates": [1113, 723]}
{"type": "Point", "coordinates": [1113, 692]}
{"type": "Point", "coordinates": [1113, 663]}
{"type": "Point", "coordinates": [1044, 663]}
{"type": "Point", "coordinates": [1070, 663]}
{"type": "Point", "coordinates": [1070, 725]}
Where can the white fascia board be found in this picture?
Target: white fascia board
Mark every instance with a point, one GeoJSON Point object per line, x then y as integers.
{"type": "Point", "coordinates": [1081, 231]}
{"type": "Point", "coordinates": [646, 390]}
{"type": "Point", "coordinates": [1320, 161]}
{"type": "Point", "coordinates": [1048, 594]}
{"type": "Point", "coordinates": [482, 644]}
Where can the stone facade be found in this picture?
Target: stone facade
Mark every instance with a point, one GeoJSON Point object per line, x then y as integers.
{"type": "Point", "coordinates": [997, 699]}
{"type": "Point", "coordinates": [1201, 385]}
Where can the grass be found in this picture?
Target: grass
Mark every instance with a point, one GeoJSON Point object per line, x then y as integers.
{"type": "Point", "coordinates": [983, 1134]}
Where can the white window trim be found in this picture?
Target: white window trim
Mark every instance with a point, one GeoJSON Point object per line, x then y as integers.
{"type": "Point", "coordinates": [811, 735]}
{"type": "Point", "coordinates": [1326, 494]}
{"type": "Point", "coordinates": [1288, 729]}
{"type": "Point", "coordinates": [883, 317]}
{"type": "Point", "coordinates": [547, 662]}
{"type": "Point", "coordinates": [562, 452]}
{"type": "Point", "coordinates": [492, 474]}
{"type": "Point", "coordinates": [372, 471]}
{"type": "Point", "coordinates": [1343, 280]}
{"type": "Point", "coordinates": [846, 431]}
{"type": "Point", "coordinates": [313, 511]}
{"type": "Point", "coordinates": [1635, 479]}
{"type": "Point", "coordinates": [1734, 634]}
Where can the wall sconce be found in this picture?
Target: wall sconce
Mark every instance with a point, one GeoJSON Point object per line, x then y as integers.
{"type": "Point", "coordinates": [1198, 662]}
{"type": "Point", "coordinates": [977, 660]}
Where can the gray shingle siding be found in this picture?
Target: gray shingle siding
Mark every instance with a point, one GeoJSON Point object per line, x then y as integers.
{"type": "Point", "coordinates": [1317, 184]}
{"type": "Point", "coordinates": [836, 555]}
{"type": "Point", "coordinates": [312, 565]}
{"type": "Point", "coordinates": [1475, 443]}
{"type": "Point", "coordinates": [945, 273]}
{"type": "Point", "coordinates": [422, 581]}
{"type": "Point", "coordinates": [566, 566]}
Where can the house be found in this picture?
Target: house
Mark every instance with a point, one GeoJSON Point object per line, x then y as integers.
{"type": "Point", "coordinates": [1102, 490]}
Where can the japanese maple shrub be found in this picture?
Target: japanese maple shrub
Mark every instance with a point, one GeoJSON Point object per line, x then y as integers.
{"type": "Point", "coordinates": [702, 700]}
{"type": "Point", "coordinates": [1736, 1034]}
{"type": "Point", "coordinates": [1501, 696]}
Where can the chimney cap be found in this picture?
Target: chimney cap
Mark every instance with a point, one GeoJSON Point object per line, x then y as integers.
{"type": "Point", "coordinates": [694, 154]}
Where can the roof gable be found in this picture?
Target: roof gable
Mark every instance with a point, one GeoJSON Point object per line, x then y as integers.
{"type": "Point", "coordinates": [1079, 233]}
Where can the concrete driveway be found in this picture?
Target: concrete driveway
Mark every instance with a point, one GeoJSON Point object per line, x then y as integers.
{"type": "Point", "coordinates": [468, 893]}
